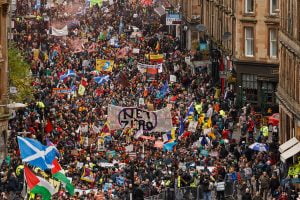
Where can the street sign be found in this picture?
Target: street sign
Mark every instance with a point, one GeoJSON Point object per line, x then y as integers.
{"type": "Point", "coordinates": [173, 19]}
{"type": "Point", "coordinates": [13, 90]}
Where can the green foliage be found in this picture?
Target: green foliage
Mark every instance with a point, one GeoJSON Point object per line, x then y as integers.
{"type": "Point", "coordinates": [19, 76]}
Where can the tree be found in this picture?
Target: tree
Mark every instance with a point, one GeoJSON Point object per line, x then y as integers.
{"type": "Point", "coordinates": [19, 76]}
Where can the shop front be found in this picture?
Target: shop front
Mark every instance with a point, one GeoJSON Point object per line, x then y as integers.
{"type": "Point", "coordinates": [256, 84]}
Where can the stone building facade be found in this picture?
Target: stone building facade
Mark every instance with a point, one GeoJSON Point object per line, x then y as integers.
{"type": "Point", "coordinates": [243, 38]}
{"type": "Point", "coordinates": [4, 113]}
{"type": "Point", "coordinates": [289, 72]}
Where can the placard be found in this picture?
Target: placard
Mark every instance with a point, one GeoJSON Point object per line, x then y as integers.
{"type": "Point", "coordinates": [141, 101]}
{"type": "Point", "coordinates": [172, 78]}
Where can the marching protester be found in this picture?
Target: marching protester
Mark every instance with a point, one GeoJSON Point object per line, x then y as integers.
{"type": "Point", "coordinates": [107, 81]}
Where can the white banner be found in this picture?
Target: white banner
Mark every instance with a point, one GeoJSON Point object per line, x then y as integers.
{"type": "Point", "coordinates": [60, 32]}
{"type": "Point", "coordinates": [143, 67]}
{"type": "Point", "coordinates": [151, 121]}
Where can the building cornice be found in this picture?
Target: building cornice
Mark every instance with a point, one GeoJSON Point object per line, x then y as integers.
{"type": "Point", "coordinates": [288, 102]}
{"type": "Point", "coordinates": [289, 43]}
{"type": "Point", "coordinates": [248, 20]}
{"type": "Point", "coordinates": [255, 63]}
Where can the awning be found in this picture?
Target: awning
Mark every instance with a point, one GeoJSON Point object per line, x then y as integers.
{"type": "Point", "coordinates": [288, 144]}
{"type": "Point", "coordinates": [160, 10]}
{"type": "Point", "coordinates": [289, 153]}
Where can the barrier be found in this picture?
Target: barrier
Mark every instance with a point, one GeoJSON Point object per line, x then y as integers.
{"type": "Point", "coordinates": [194, 193]}
{"type": "Point", "coordinates": [184, 193]}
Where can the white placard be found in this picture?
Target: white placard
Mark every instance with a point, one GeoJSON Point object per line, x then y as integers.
{"type": "Point", "coordinates": [173, 79]}
{"type": "Point", "coordinates": [136, 51]}
{"type": "Point", "coordinates": [141, 101]}
{"type": "Point", "coordinates": [193, 126]}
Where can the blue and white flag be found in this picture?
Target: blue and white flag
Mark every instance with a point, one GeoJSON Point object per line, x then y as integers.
{"type": "Point", "coordinates": [101, 79]}
{"type": "Point", "coordinates": [181, 127]}
{"type": "Point", "coordinates": [70, 72]}
{"type": "Point", "coordinates": [191, 110]}
{"type": "Point", "coordinates": [36, 154]}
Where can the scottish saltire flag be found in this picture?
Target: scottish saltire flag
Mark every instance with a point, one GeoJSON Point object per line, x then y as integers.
{"type": "Point", "coordinates": [36, 154]}
{"type": "Point", "coordinates": [70, 72]}
{"type": "Point", "coordinates": [164, 90]}
{"type": "Point", "coordinates": [191, 110]}
{"type": "Point", "coordinates": [101, 79]}
{"type": "Point", "coordinates": [50, 144]}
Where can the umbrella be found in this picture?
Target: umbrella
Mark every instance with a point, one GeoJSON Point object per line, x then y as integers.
{"type": "Point", "coordinates": [259, 147]}
{"type": "Point", "coordinates": [16, 105]}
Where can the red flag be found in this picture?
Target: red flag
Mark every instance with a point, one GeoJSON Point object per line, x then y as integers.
{"type": "Point", "coordinates": [48, 127]}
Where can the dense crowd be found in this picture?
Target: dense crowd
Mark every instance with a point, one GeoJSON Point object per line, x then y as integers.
{"type": "Point", "coordinates": [214, 162]}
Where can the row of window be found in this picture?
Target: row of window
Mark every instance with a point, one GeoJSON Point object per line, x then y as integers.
{"type": "Point", "coordinates": [250, 88]}
{"type": "Point", "coordinates": [250, 8]}
{"type": "Point", "coordinates": [249, 42]}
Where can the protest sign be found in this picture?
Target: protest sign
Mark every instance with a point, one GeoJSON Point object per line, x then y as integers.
{"type": "Point", "coordinates": [143, 67]}
{"type": "Point", "coordinates": [141, 101]}
{"type": "Point", "coordinates": [172, 78]}
{"type": "Point", "coordinates": [151, 121]}
{"type": "Point", "coordinates": [61, 91]}
{"type": "Point", "coordinates": [60, 32]}
{"type": "Point", "coordinates": [135, 51]}
{"type": "Point", "coordinates": [192, 126]}
{"type": "Point", "coordinates": [104, 65]}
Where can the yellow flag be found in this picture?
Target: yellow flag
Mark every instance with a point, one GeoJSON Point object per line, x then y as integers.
{"type": "Point", "coordinates": [81, 90]}
{"type": "Point", "coordinates": [173, 133]}
{"type": "Point", "coordinates": [209, 123]}
{"type": "Point", "coordinates": [104, 65]}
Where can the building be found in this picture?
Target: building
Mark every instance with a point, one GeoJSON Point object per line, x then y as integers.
{"type": "Point", "coordinates": [4, 113]}
{"type": "Point", "coordinates": [243, 40]}
{"type": "Point", "coordinates": [288, 92]}
{"type": "Point", "coordinates": [256, 51]}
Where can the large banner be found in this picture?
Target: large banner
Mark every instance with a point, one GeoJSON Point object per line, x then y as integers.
{"type": "Point", "coordinates": [151, 121]}
{"type": "Point", "coordinates": [60, 32]}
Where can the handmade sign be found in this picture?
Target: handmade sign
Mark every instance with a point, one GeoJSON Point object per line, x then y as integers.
{"type": "Point", "coordinates": [151, 121]}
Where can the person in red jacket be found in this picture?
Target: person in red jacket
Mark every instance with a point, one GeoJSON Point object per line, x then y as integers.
{"type": "Point", "coordinates": [250, 127]}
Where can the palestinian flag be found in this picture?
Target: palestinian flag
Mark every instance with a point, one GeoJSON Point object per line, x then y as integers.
{"type": "Point", "coordinates": [57, 172]}
{"type": "Point", "coordinates": [38, 185]}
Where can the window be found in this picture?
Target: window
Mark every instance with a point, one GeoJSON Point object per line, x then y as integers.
{"type": "Point", "coordinates": [273, 7]}
{"type": "Point", "coordinates": [268, 91]}
{"type": "Point", "coordinates": [249, 42]}
{"type": "Point", "coordinates": [273, 43]}
{"type": "Point", "coordinates": [249, 6]}
{"type": "Point", "coordinates": [249, 86]}
{"type": "Point", "coordinates": [249, 81]}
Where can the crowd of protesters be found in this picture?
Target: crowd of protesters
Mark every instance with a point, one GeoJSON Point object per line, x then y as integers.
{"type": "Point", "coordinates": [218, 161]}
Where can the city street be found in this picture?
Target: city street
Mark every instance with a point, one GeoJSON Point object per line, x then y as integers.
{"type": "Point", "coordinates": [144, 99]}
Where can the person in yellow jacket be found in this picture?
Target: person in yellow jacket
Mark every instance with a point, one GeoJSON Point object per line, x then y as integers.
{"type": "Point", "coordinates": [264, 130]}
